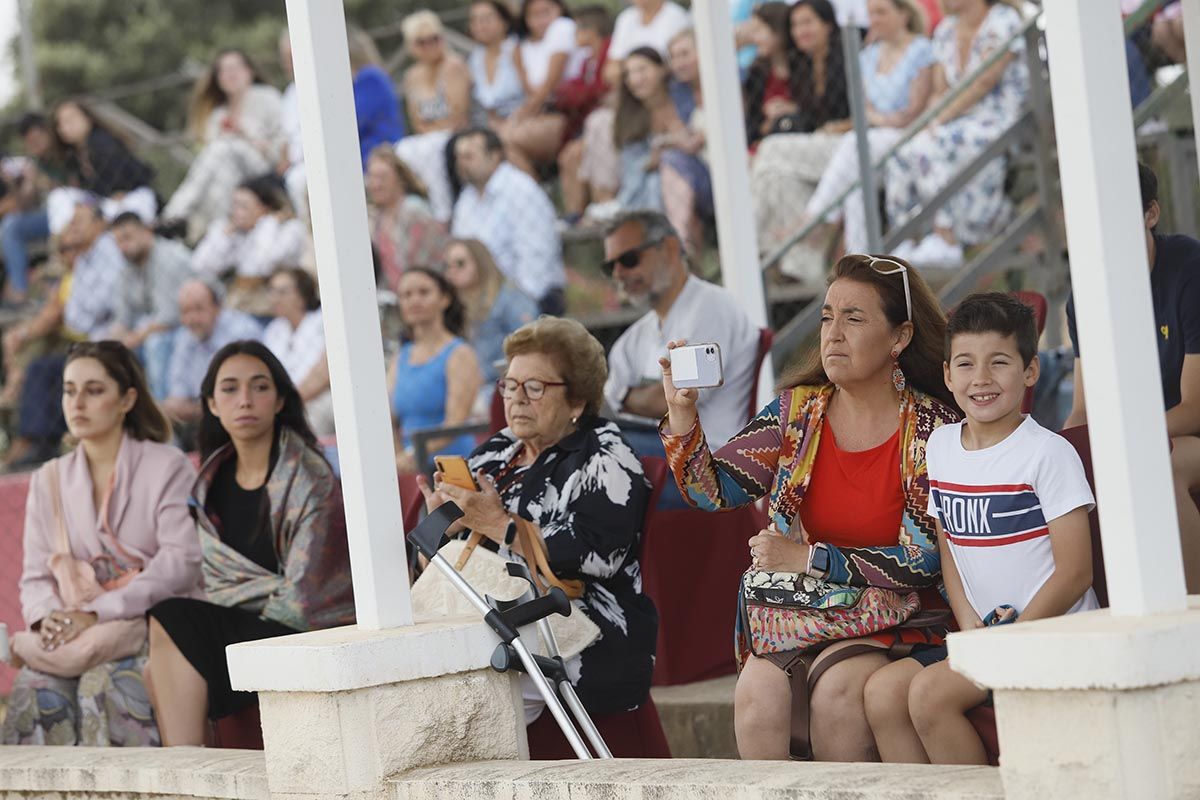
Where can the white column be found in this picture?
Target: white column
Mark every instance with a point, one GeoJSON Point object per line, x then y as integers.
{"type": "Point", "coordinates": [729, 162]}
{"type": "Point", "coordinates": [1191, 33]}
{"type": "Point", "coordinates": [1110, 277]}
{"type": "Point", "coordinates": [337, 202]}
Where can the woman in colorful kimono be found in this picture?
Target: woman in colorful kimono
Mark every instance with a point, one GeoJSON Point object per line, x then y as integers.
{"type": "Point", "coordinates": [273, 537]}
{"type": "Point", "coordinates": [841, 454]}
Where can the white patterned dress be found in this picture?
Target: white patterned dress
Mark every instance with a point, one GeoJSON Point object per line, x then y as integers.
{"type": "Point", "coordinates": [926, 164]}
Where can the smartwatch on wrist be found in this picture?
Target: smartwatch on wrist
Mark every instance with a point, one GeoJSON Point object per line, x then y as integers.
{"type": "Point", "coordinates": [818, 560]}
{"type": "Point", "coordinates": [510, 533]}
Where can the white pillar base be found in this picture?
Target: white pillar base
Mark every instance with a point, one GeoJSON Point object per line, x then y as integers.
{"type": "Point", "coordinates": [1091, 705]}
{"type": "Point", "coordinates": [345, 710]}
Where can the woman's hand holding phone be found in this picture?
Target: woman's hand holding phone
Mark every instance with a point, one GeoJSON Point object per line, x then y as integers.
{"type": "Point", "coordinates": [681, 403]}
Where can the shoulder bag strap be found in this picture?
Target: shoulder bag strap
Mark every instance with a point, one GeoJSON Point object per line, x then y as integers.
{"type": "Point", "coordinates": [62, 541]}
{"type": "Point", "coordinates": [534, 547]}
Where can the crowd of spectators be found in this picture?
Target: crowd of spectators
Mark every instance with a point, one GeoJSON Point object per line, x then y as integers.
{"type": "Point", "coordinates": [138, 345]}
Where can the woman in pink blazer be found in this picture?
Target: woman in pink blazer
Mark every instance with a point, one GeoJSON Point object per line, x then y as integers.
{"type": "Point", "coordinates": [116, 505]}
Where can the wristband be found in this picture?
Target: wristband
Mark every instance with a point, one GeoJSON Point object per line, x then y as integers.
{"type": "Point", "coordinates": [818, 560]}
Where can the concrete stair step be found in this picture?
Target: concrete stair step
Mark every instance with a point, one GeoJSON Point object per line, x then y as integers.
{"type": "Point", "coordinates": [698, 718]}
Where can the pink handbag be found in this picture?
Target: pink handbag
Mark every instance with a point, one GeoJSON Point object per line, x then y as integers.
{"type": "Point", "coordinates": [77, 586]}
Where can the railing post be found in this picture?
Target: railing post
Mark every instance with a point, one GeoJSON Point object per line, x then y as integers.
{"type": "Point", "coordinates": [338, 204]}
{"type": "Point", "coordinates": [851, 43]}
{"type": "Point", "coordinates": [729, 162]}
{"type": "Point", "coordinates": [1096, 157]}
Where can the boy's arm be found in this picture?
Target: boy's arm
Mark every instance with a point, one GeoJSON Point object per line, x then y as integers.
{"type": "Point", "coordinates": [964, 612]}
{"type": "Point", "coordinates": [1078, 415]}
{"type": "Point", "coordinates": [1071, 543]}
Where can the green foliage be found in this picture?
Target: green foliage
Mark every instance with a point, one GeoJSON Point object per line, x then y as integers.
{"type": "Point", "coordinates": [92, 46]}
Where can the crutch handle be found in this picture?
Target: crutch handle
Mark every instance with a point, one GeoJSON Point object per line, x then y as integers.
{"type": "Point", "coordinates": [430, 534]}
{"type": "Point", "coordinates": [554, 601]}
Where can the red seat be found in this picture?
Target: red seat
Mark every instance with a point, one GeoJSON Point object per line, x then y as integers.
{"type": "Point", "coordinates": [238, 731]}
{"type": "Point", "coordinates": [629, 734]}
{"type": "Point", "coordinates": [1037, 302]}
{"type": "Point", "coordinates": [983, 718]}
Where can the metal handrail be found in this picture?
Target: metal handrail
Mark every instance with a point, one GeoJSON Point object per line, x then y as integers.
{"type": "Point", "coordinates": [1131, 23]}
{"type": "Point", "coordinates": [917, 125]}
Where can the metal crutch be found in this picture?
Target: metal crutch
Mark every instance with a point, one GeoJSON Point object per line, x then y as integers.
{"type": "Point", "coordinates": [428, 537]}
{"type": "Point", "coordinates": [565, 690]}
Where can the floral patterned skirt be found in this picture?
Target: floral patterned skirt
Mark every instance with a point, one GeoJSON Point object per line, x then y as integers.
{"type": "Point", "coordinates": [107, 705]}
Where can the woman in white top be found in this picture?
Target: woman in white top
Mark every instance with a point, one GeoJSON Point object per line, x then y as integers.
{"type": "Point", "coordinates": [547, 55]}
{"type": "Point", "coordinates": [496, 84]}
{"type": "Point", "coordinates": [237, 118]}
{"type": "Point", "coordinates": [297, 338]}
{"type": "Point", "coordinates": [437, 94]}
{"type": "Point", "coordinates": [260, 235]}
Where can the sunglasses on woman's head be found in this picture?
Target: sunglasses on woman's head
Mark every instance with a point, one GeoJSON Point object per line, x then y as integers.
{"type": "Point", "coordinates": [903, 270]}
{"type": "Point", "coordinates": [629, 259]}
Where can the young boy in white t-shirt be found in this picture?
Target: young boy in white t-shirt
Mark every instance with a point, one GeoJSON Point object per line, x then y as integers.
{"type": "Point", "coordinates": [1011, 502]}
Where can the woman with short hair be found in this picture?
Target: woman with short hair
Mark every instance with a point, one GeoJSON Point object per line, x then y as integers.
{"type": "Point", "coordinates": [118, 505]}
{"type": "Point", "coordinates": [268, 509]}
{"type": "Point", "coordinates": [841, 455]}
{"type": "Point", "coordinates": [566, 470]}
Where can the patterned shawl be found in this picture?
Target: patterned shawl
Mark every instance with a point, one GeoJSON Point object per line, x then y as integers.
{"type": "Point", "coordinates": [308, 530]}
{"type": "Point", "coordinates": [775, 453]}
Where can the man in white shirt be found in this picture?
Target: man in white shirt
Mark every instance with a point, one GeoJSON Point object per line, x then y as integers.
{"type": "Point", "coordinates": [646, 23]}
{"type": "Point", "coordinates": [647, 262]}
{"type": "Point", "coordinates": [506, 210]}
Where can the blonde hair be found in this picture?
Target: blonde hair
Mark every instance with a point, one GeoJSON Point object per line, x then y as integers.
{"type": "Point", "coordinates": [412, 183]}
{"type": "Point", "coordinates": [576, 353]}
{"type": "Point", "coordinates": [490, 278]}
{"type": "Point", "coordinates": [420, 23]}
{"type": "Point", "coordinates": [363, 51]}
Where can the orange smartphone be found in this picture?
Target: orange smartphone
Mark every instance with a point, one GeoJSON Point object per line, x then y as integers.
{"type": "Point", "coordinates": [456, 472]}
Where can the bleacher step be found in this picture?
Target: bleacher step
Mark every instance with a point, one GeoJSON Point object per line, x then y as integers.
{"type": "Point", "coordinates": [698, 718]}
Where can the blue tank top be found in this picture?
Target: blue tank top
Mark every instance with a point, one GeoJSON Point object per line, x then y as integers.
{"type": "Point", "coordinates": [419, 399]}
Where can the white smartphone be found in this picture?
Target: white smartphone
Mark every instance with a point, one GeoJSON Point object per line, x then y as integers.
{"type": "Point", "coordinates": [697, 366]}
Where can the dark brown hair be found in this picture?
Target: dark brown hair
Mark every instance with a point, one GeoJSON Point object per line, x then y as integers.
{"type": "Point", "coordinates": [922, 360]}
{"type": "Point", "coordinates": [145, 421]}
{"type": "Point", "coordinates": [306, 285]}
{"type": "Point", "coordinates": [995, 312]}
{"type": "Point", "coordinates": [208, 95]}
{"type": "Point", "coordinates": [454, 317]}
{"type": "Point", "coordinates": [212, 435]}
{"type": "Point", "coordinates": [631, 123]}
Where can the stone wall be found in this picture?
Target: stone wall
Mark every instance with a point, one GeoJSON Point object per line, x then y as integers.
{"type": "Point", "coordinates": [82, 773]}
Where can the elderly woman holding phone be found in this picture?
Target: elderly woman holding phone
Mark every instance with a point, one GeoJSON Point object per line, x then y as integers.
{"type": "Point", "coordinates": [841, 454]}
{"type": "Point", "coordinates": [570, 473]}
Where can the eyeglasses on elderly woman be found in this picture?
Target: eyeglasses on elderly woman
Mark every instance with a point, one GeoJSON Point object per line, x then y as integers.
{"type": "Point", "coordinates": [533, 388]}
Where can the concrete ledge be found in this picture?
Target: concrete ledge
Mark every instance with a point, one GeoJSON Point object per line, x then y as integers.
{"type": "Point", "coordinates": [1092, 650]}
{"type": "Point", "coordinates": [682, 779]}
{"type": "Point", "coordinates": [698, 718]}
{"type": "Point", "coordinates": [343, 659]}
{"type": "Point", "coordinates": [184, 772]}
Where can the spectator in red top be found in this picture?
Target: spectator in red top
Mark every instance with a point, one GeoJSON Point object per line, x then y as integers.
{"type": "Point", "coordinates": [580, 98]}
{"type": "Point", "coordinates": [768, 84]}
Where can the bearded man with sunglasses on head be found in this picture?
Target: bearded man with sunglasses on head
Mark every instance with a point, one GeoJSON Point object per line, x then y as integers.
{"type": "Point", "coordinates": [643, 254]}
